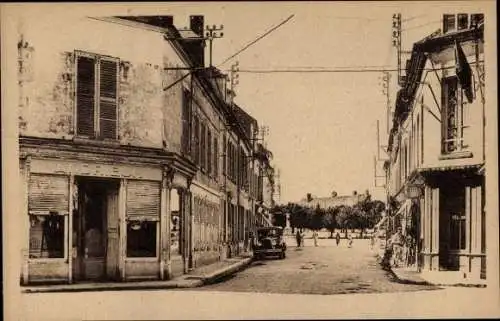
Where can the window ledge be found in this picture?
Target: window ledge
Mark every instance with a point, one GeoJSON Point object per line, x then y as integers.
{"type": "Point", "coordinates": [96, 141]}
{"type": "Point", "coordinates": [455, 155]}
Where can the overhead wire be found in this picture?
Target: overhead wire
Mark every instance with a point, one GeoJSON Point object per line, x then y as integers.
{"type": "Point", "coordinates": [257, 39]}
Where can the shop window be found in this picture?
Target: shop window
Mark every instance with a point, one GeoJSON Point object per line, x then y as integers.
{"type": "Point", "coordinates": [46, 236]}
{"type": "Point", "coordinates": [457, 241]}
{"type": "Point", "coordinates": [141, 238]}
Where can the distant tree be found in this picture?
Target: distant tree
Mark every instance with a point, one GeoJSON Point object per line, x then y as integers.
{"type": "Point", "coordinates": [316, 219]}
{"type": "Point", "coordinates": [329, 221]}
{"type": "Point", "coordinates": [279, 216]}
{"type": "Point", "coordinates": [343, 218]}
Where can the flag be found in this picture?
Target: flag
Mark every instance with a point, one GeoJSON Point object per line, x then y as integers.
{"type": "Point", "coordinates": [464, 72]}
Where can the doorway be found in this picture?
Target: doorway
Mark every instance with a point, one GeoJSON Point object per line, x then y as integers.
{"type": "Point", "coordinates": [452, 225]}
{"type": "Point", "coordinates": [96, 230]}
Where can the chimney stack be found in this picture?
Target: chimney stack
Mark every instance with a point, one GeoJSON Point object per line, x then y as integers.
{"type": "Point", "coordinates": [197, 47]}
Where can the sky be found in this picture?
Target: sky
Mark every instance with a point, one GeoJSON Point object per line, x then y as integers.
{"type": "Point", "coordinates": [322, 126]}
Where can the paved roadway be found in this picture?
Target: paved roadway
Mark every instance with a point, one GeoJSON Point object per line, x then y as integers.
{"type": "Point", "coordinates": [326, 269]}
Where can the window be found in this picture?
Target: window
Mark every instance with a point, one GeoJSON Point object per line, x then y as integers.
{"type": "Point", "coordinates": [196, 140]}
{"type": "Point", "coordinates": [216, 157]}
{"type": "Point", "coordinates": [448, 22]}
{"type": "Point", "coordinates": [96, 96]}
{"type": "Point", "coordinates": [209, 152]}
{"type": "Point", "coordinates": [454, 111]}
{"type": "Point", "coordinates": [186, 124]}
{"type": "Point", "coordinates": [203, 151]}
{"type": "Point", "coordinates": [46, 236]}
{"type": "Point", "coordinates": [462, 21]}
{"type": "Point", "coordinates": [48, 203]}
{"type": "Point", "coordinates": [142, 214]}
{"type": "Point", "coordinates": [141, 239]}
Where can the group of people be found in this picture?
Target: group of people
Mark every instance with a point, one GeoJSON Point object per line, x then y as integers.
{"type": "Point", "coordinates": [299, 237]}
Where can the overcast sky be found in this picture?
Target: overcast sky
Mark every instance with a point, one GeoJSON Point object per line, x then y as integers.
{"type": "Point", "coordinates": [322, 126]}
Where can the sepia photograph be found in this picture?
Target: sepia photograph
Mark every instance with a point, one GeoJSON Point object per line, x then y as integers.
{"type": "Point", "coordinates": [250, 160]}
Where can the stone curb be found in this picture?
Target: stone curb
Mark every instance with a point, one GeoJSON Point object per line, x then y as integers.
{"type": "Point", "coordinates": [406, 280]}
{"type": "Point", "coordinates": [185, 282]}
{"type": "Point", "coordinates": [224, 272]}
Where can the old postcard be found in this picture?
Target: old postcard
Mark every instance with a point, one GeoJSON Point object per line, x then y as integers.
{"type": "Point", "coordinates": [250, 160]}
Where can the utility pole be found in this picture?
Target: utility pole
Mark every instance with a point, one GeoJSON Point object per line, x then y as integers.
{"type": "Point", "coordinates": [386, 78]}
{"type": "Point", "coordinates": [213, 33]}
{"type": "Point", "coordinates": [234, 80]}
{"type": "Point", "coordinates": [396, 42]}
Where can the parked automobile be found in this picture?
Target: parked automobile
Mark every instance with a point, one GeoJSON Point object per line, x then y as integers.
{"type": "Point", "coordinates": [269, 241]}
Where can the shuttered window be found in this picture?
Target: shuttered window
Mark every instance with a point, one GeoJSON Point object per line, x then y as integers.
{"type": "Point", "coordinates": [143, 200]}
{"type": "Point", "coordinates": [203, 151]}
{"type": "Point", "coordinates": [85, 96]}
{"type": "Point", "coordinates": [48, 202]}
{"type": "Point", "coordinates": [216, 157]}
{"type": "Point", "coordinates": [196, 146]}
{"type": "Point", "coordinates": [48, 193]}
{"type": "Point", "coordinates": [209, 152]}
{"type": "Point", "coordinates": [107, 98]}
{"type": "Point", "coordinates": [186, 126]}
{"type": "Point", "coordinates": [96, 96]}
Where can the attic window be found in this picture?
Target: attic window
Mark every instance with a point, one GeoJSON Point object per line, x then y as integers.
{"type": "Point", "coordinates": [462, 21]}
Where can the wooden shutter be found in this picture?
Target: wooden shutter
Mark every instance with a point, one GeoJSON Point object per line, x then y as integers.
{"type": "Point", "coordinates": [108, 70]}
{"type": "Point", "coordinates": [85, 96]}
{"type": "Point", "coordinates": [48, 193]}
{"type": "Point", "coordinates": [216, 157]}
{"type": "Point", "coordinates": [185, 121]}
{"type": "Point", "coordinates": [209, 151]}
{"type": "Point", "coordinates": [143, 199]}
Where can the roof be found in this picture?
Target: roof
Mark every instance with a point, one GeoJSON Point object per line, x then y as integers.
{"type": "Point", "coordinates": [246, 121]}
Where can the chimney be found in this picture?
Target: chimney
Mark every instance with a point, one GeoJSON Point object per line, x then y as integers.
{"type": "Point", "coordinates": [196, 24]}
{"type": "Point", "coordinates": [197, 47]}
{"type": "Point", "coordinates": [355, 193]}
{"type": "Point", "coordinates": [309, 197]}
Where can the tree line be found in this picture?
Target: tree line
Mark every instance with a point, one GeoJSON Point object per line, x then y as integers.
{"type": "Point", "coordinates": [363, 215]}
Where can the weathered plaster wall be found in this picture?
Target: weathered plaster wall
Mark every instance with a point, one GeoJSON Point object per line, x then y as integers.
{"type": "Point", "coordinates": [148, 116]}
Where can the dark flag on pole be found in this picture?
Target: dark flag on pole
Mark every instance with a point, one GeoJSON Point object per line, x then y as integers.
{"type": "Point", "coordinates": [464, 72]}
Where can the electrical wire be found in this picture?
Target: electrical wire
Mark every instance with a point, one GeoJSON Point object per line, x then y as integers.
{"type": "Point", "coordinates": [257, 39]}
{"type": "Point", "coordinates": [422, 25]}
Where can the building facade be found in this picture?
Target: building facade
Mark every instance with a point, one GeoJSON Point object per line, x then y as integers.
{"type": "Point", "coordinates": [435, 176]}
{"type": "Point", "coordinates": [129, 153]}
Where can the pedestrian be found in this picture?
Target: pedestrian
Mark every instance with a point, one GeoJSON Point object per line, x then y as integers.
{"type": "Point", "coordinates": [349, 237]}
{"type": "Point", "coordinates": [315, 238]}
{"type": "Point", "coordinates": [397, 241]}
{"type": "Point", "coordinates": [372, 241]}
{"type": "Point", "coordinates": [337, 238]}
{"type": "Point", "coordinates": [302, 238]}
{"type": "Point", "coordinates": [298, 238]}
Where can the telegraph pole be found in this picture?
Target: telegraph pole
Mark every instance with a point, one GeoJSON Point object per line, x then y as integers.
{"type": "Point", "coordinates": [386, 78]}
{"type": "Point", "coordinates": [396, 42]}
{"type": "Point", "coordinates": [213, 33]}
{"type": "Point", "coordinates": [234, 80]}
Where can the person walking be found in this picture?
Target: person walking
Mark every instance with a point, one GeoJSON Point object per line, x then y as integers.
{"type": "Point", "coordinates": [337, 238]}
{"type": "Point", "coordinates": [298, 238]}
{"type": "Point", "coordinates": [302, 238]}
{"type": "Point", "coordinates": [397, 241]}
{"type": "Point", "coordinates": [349, 237]}
{"type": "Point", "coordinates": [315, 238]}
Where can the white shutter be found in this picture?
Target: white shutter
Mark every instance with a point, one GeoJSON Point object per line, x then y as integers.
{"type": "Point", "coordinates": [48, 193]}
{"type": "Point", "coordinates": [143, 200]}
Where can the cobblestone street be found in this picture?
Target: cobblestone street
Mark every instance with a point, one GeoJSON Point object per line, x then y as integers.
{"type": "Point", "coordinates": [326, 269]}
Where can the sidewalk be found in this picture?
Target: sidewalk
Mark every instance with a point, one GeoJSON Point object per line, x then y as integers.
{"type": "Point", "coordinates": [439, 278]}
{"type": "Point", "coordinates": [198, 277]}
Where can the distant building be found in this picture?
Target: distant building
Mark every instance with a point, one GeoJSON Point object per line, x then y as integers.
{"type": "Point", "coordinates": [334, 200]}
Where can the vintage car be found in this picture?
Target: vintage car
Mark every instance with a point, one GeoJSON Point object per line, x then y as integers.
{"type": "Point", "coordinates": [269, 241]}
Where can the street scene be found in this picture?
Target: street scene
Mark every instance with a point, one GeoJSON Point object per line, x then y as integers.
{"type": "Point", "coordinates": [250, 160]}
{"type": "Point", "coordinates": [326, 269]}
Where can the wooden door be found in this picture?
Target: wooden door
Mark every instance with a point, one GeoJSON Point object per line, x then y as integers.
{"type": "Point", "coordinates": [113, 236]}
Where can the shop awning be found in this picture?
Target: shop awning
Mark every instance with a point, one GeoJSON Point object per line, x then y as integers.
{"type": "Point", "coordinates": [448, 168]}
